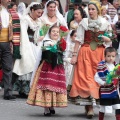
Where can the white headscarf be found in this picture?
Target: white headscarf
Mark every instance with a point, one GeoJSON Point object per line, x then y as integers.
{"type": "Point", "coordinates": [21, 8]}
{"type": "Point", "coordinates": [68, 41]}
{"type": "Point", "coordinates": [28, 8]}
{"type": "Point", "coordinates": [58, 15]}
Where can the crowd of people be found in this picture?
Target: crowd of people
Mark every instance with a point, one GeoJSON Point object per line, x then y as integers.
{"type": "Point", "coordinates": [51, 57]}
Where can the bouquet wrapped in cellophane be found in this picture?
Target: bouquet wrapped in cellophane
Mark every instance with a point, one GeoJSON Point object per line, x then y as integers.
{"type": "Point", "coordinates": [115, 73]}
{"type": "Point", "coordinates": [61, 45]}
{"type": "Point", "coordinates": [109, 34]}
{"type": "Point", "coordinates": [43, 31]}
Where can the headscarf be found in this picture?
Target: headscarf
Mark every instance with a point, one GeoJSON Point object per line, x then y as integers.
{"type": "Point", "coordinates": [57, 11]}
{"type": "Point", "coordinates": [97, 4]}
{"type": "Point", "coordinates": [28, 8]}
{"type": "Point", "coordinates": [21, 8]}
{"type": "Point", "coordinates": [58, 14]}
{"type": "Point", "coordinates": [60, 7]}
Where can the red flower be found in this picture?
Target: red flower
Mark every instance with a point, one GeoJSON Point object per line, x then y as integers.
{"type": "Point", "coordinates": [63, 28]}
{"type": "Point", "coordinates": [62, 44]}
{"type": "Point", "coordinates": [118, 71]}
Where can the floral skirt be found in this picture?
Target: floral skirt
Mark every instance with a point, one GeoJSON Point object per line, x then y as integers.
{"type": "Point", "coordinates": [45, 98]}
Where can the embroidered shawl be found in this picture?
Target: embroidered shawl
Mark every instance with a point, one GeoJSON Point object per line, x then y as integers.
{"type": "Point", "coordinates": [16, 33]}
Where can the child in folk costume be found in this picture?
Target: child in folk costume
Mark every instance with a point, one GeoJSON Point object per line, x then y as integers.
{"type": "Point", "coordinates": [68, 55]}
{"type": "Point", "coordinates": [48, 88]}
{"type": "Point", "coordinates": [104, 67]}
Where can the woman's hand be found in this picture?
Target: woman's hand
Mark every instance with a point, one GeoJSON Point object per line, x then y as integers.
{"type": "Point", "coordinates": [40, 38]}
{"type": "Point", "coordinates": [74, 60]}
{"type": "Point", "coordinates": [105, 39]}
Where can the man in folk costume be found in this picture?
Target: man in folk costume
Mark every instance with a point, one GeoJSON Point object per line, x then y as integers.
{"type": "Point", "coordinates": [8, 35]}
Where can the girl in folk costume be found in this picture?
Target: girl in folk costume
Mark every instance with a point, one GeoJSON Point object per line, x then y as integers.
{"type": "Point", "coordinates": [103, 69]}
{"type": "Point", "coordinates": [29, 48]}
{"type": "Point", "coordinates": [48, 87]}
{"type": "Point", "coordinates": [89, 55]}
{"type": "Point", "coordinates": [51, 15]}
{"type": "Point", "coordinates": [68, 55]}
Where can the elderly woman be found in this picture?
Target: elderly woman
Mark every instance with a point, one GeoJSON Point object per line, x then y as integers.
{"type": "Point", "coordinates": [51, 15]}
{"type": "Point", "coordinates": [79, 14]}
{"type": "Point", "coordinates": [89, 55]}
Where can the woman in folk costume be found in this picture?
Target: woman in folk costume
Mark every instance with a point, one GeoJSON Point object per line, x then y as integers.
{"type": "Point", "coordinates": [89, 55]}
{"type": "Point", "coordinates": [67, 57]}
{"type": "Point", "coordinates": [51, 15]}
{"type": "Point", "coordinates": [29, 48]}
{"type": "Point", "coordinates": [48, 86]}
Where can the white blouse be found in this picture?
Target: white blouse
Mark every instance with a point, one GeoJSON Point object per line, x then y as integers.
{"type": "Point", "coordinates": [83, 26]}
{"type": "Point", "coordinates": [4, 17]}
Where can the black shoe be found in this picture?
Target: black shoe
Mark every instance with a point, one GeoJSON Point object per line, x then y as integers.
{"type": "Point", "coordinates": [9, 97]}
{"type": "Point", "coordinates": [52, 111]}
{"type": "Point", "coordinates": [22, 95]}
{"type": "Point", "coordinates": [47, 114]}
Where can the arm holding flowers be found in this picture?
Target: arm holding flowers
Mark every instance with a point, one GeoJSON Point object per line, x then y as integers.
{"type": "Point", "coordinates": [107, 37]}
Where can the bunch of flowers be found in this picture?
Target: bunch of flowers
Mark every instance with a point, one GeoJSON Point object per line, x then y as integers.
{"type": "Point", "coordinates": [61, 45]}
{"type": "Point", "coordinates": [43, 31]}
{"type": "Point", "coordinates": [113, 74]}
{"type": "Point", "coordinates": [62, 42]}
{"type": "Point", "coordinates": [109, 34]}
{"type": "Point", "coordinates": [63, 31]}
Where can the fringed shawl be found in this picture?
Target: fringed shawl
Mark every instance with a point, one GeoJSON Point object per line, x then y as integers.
{"type": "Point", "coordinates": [16, 33]}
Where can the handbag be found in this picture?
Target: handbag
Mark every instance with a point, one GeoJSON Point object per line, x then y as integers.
{"type": "Point", "coordinates": [108, 92]}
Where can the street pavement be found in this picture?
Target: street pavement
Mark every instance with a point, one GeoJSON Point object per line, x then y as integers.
{"type": "Point", "coordinates": [19, 110]}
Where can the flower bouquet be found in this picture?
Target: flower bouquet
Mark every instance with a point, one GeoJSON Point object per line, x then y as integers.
{"type": "Point", "coordinates": [109, 34]}
{"type": "Point", "coordinates": [113, 74]}
{"type": "Point", "coordinates": [63, 31]}
{"type": "Point", "coordinates": [61, 45]}
{"type": "Point", "coordinates": [43, 31]}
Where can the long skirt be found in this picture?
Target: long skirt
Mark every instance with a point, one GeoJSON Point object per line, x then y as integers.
{"type": "Point", "coordinates": [45, 98]}
{"type": "Point", "coordinates": [84, 84]}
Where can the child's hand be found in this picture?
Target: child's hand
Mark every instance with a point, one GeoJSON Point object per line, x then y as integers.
{"type": "Point", "coordinates": [41, 38]}
{"type": "Point", "coordinates": [51, 44]}
{"type": "Point", "coordinates": [105, 84]}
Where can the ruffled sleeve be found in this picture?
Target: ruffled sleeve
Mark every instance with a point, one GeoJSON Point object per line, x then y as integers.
{"type": "Point", "coordinates": [81, 30]}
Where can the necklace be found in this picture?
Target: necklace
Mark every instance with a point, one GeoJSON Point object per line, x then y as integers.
{"type": "Point", "coordinates": [32, 17]}
{"type": "Point", "coordinates": [51, 16]}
